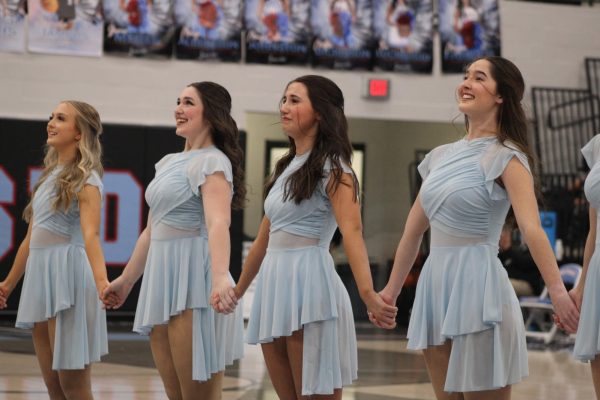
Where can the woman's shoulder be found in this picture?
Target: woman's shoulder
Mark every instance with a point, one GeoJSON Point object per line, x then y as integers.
{"type": "Point", "coordinates": [440, 148]}
{"type": "Point", "coordinates": [94, 178]}
{"type": "Point", "coordinates": [500, 153]}
{"type": "Point", "coordinates": [508, 149]}
{"type": "Point", "coordinates": [591, 151]}
{"type": "Point", "coordinates": [209, 156]}
{"type": "Point", "coordinates": [330, 165]}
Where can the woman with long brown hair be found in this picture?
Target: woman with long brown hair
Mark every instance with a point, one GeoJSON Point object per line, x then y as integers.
{"type": "Point", "coordinates": [466, 317]}
{"type": "Point", "coordinates": [184, 250]}
{"type": "Point", "coordinates": [301, 313]}
{"type": "Point", "coordinates": [61, 255]}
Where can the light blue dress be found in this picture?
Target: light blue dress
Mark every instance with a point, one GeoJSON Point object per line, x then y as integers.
{"type": "Point", "coordinates": [59, 281]}
{"type": "Point", "coordinates": [587, 343]}
{"type": "Point", "coordinates": [463, 293]}
{"type": "Point", "coordinates": [177, 275]}
{"type": "Point", "coordinates": [298, 287]}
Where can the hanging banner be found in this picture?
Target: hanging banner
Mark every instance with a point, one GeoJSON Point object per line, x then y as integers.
{"type": "Point", "coordinates": [12, 26]}
{"type": "Point", "coordinates": [344, 38]}
{"type": "Point", "coordinates": [404, 32]}
{"type": "Point", "coordinates": [139, 27]}
{"type": "Point", "coordinates": [65, 27]}
{"type": "Point", "coordinates": [209, 29]}
{"type": "Point", "coordinates": [469, 29]}
{"type": "Point", "coordinates": [278, 31]}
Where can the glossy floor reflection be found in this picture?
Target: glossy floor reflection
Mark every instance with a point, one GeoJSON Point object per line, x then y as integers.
{"type": "Point", "coordinates": [387, 371]}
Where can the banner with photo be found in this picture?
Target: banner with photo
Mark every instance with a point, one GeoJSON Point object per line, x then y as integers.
{"type": "Point", "coordinates": [278, 31]}
{"type": "Point", "coordinates": [469, 29]}
{"type": "Point", "coordinates": [343, 34]}
{"type": "Point", "coordinates": [404, 33]}
{"type": "Point", "coordinates": [65, 27]}
{"type": "Point", "coordinates": [139, 27]}
{"type": "Point", "coordinates": [208, 29]}
{"type": "Point", "coordinates": [12, 26]}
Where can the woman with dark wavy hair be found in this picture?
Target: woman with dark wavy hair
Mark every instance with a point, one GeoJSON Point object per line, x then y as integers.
{"type": "Point", "coordinates": [466, 317]}
{"type": "Point", "coordinates": [184, 250]}
{"type": "Point", "coordinates": [301, 313]}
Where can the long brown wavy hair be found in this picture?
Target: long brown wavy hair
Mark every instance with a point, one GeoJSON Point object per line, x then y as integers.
{"type": "Point", "coordinates": [88, 158]}
{"type": "Point", "coordinates": [332, 143]}
{"type": "Point", "coordinates": [511, 119]}
{"type": "Point", "coordinates": [224, 131]}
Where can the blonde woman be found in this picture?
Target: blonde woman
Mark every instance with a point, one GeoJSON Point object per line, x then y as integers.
{"type": "Point", "coordinates": [61, 256]}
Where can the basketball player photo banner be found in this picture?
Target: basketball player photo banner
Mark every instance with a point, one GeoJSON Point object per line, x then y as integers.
{"type": "Point", "coordinates": [404, 33]}
{"type": "Point", "coordinates": [343, 34]}
{"type": "Point", "coordinates": [469, 29]}
{"type": "Point", "coordinates": [278, 31]}
{"type": "Point", "coordinates": [139, 27]}
{"type": "Point", "coordinates": [65, 27]}
{"type": "Point", "coordinates": [12, 26]}
{"type": "Point", "coordinates": [208, 29]}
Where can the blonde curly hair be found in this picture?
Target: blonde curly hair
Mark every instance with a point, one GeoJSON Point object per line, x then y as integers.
{"type": "Point", "coordinates": [88, 158]}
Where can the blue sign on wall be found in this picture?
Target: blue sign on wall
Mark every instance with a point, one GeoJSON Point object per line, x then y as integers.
{"type": "Point", "coordinates": [548, 219]}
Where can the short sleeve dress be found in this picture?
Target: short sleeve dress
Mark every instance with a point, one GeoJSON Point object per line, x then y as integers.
{"type": "Point", "coordinates": [59, 282]}
{"type": "Point", "coordinates": [178, 273]}
{"type": "Point", "coordinates": [298, 287]}
{"type": "Point", "coordinates": [464, 293]}
{"type": "Point", "coordinates": [587, 343]}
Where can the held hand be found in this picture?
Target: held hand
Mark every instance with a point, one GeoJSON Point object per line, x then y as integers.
{"type": "Point", "coordinates": [380, 312]}
{"type": "Point", "coordinates": [223, 298]}
{"type": "Point", "coordinates": [388, 296]}
{"type": "Point", "coordinates": [567, 313]}
{"type": "Point", "coordinates": [108, 301]}
{"type": "Point", "coordinates": [5, 291]}
{"type": "Point", "coordinates": [577, 295]}
{"type": "Point", "coordinates": [100, 286]}
{"type": "Point", "coordinates": [115, 294]}
{"type": "Point", "coordinates": [238, 292]}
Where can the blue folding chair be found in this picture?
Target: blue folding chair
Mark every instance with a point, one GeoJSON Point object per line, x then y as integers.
{"type": "Point", "coordinates": [538, 310]}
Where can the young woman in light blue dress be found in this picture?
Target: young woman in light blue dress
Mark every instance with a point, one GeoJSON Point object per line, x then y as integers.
{"type": "Point", "coordinates": [184, 250]}
{"type": "Point", "coordinates": [61, 256]}
{"type": "Point", "coordinates": [301, 313]}
{"type": "Point", "coordinates": [587, 293]}
{"type": "Point", "coordinates": [466, 317]}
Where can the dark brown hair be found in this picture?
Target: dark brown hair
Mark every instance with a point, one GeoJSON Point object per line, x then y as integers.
{"type": "Point", "coordinates": [331, 143]}
{"type": "Point", "coordinates": [225, 135]}
{"type": "Point", "coordinates": [511, 119]}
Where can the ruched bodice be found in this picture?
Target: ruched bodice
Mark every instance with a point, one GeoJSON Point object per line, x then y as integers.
{"type": "Point", "coordinates": [58, 222]}
{"type": "Point", "coordinates": [312, 218]}
{"type": "Point", "coordinates": [173, 195]}
{"type": "Point", "coordinates": [460, 195]}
